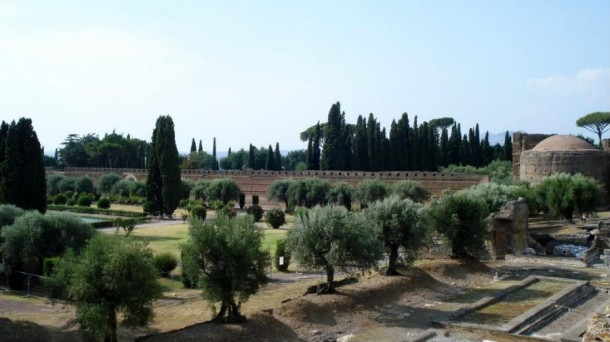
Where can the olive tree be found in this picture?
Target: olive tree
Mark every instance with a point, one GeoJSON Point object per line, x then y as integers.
{"type": "Point", "coordinates": [333, 238]}
{"type": "Point", "coordinates": [224, 189]}
{"type": "Point", "coordinates": [403, 223]}
{"type": "Point", "coordinates": [341, 194]}
{"type": "Point", "coordinates": [107, 181]}
{"type": "Point", "coordinates": [563, 193]}
{"type": "Point", "coordinates": [226, 260]}
{"type": "Point", "coordinates": [410, 189]}
{"type": "Point", "coordinates": [113, 277]}
{"type": "Point", "coordinates": [278, 191]}
{"type": "Point", "coordinates": [460, 217]}
{"type": "Point", "coordinates": [308, 192]}
{"type": "Point", "coordinates": [371, 190]}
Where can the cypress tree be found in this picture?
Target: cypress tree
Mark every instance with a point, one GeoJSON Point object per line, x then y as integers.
{"type": "Point", "coordinates": [200, 147]}
{"type": "Point", "coordinates": [404, 160]}
{"type": "Point", "coordinates": [508, 147]}
{"type": "Point", "coordinates": [445, 151]}
{"type": "Point", "coordinates": [269, 160]}
{"type": "Point", "coordinates": [434, 148]}
{"type": "Point", "coordinates": [372, 138]}
{"type": "Point", "coordinates": [193, 146]}
{"type": "Point", "coordinates": [332, 154]}
{"type": "Point", "coordinates": [163, 186]}
{"type": "Point", "coordinates": [23, 181]}
{"type": "Point", "coordinates": [315, 154]}
{"type": "Point", "coordinates": [277, 157]}
{"type": "Point", "coordinates": [416, 148]}
{"type": "Point", "coordinates": [3, 132]}
{"type": "Point", "coordinates": [215, 162]}
{"type": "Point", "coordinates": [348, 144]}
{"type": "Point", "coordinates": [361, 144]}
{"type": "Point", "coordinates": [479, 150]}
{"type": "Point", "coordinates": [251, 158]}
{"type": "Point", "coordinates": [395, 150]}
{"type": "Point", "coordinates": [465, 155]}
{"type": "Point", "coordinates": [309, 156]}
{"type": "Point", "coordinates": [487, 150]}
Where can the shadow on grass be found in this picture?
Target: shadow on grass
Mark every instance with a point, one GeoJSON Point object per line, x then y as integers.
{"type": "Point", "coordinates": [32, 332]}
{"type": "Point", "coordinates": [258, 327]}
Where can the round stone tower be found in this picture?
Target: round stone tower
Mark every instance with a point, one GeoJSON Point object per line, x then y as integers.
{"type": "Point", "coordinates": [565, 153]}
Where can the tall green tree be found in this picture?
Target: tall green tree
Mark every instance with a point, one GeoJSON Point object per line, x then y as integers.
{"type": "Point", "coordinates": [23, 181]}
{"type": "Point", "coordinates": [200, 147]}
{"type": "Point", "coordinates": [508, 147]}
{"type": "Point", "coordinates": [252, 157]}
{"type": "Point", "coordinates": [332, 154]}
{"type": "Point", "coordinates": [270, 160]}
{"type": "Point", "coordinates": [597, 123]}
{"type": "Point", "coordinates": [193, 146]}
{"type": "Point", "coordinates": [3, 132]}
{"type": "Point", "coordinates": [215, 162]}
{"type": "Point", "coordinates": [277, 157]}
{"type": "Point", "coordinates": [361, 153]}
{"type": "Point", "coordinates": [113, 278]}
{"type": "Point", "coordinates": [225, 258]}
{"type": "Point", "coordinates": [163, 185]}
{"type": "Point", "coordinates": [315, 149]}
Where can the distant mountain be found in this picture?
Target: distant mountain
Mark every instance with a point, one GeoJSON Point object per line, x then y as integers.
{"type": "Point", "coordinates": [497, 138]}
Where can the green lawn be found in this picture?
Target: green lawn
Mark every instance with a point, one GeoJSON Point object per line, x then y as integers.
{"type": "Point", "coordinates": [168, 238]}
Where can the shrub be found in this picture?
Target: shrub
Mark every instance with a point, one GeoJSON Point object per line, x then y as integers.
{"type": "Point", "coordinates": [48, 264]}
{"type": "Point", "coordinates": [341, 194]}
{"type": "Point", "coordinates": [199, 212]}
{"type": "Point", "coordinates": [256, 211]}
{"type": "Point", "coordinates": [84, 200]}
{"type": "Point", "coordinates": [103, 203]}
{"type": "Point", "coordinates": [242, 200]}
{"type": "Point", "coordinates": [371, 190]}
{"type": "Point", "coordinates": [59, 199]}
{"type": "Point", "coordinates": [410, 189]}
{"type": "Point", "coordinates": [121, 188]}
{"type": "Point", "coordinates": [275, 218]}
{"type": "Point", "coordinates": [69, 195]}
{"type": "Point", "coordinates": [254, 199]}
{"type": "Point", "coordinates": [228, 211]}
{"type": "Point", "coordinates": [66, 184]}
{"type": "Point", "coordinates": [187, 186]}
{"type": "Point", "coordinates": [563, 193]}
{"type": "Point", "coordinates": [281, 251]}
{"type": "Point", "coordinates": [495, 195]}
{"type": "Point", "coordinates": [278, 191]}
{"type": "Point", "coordinates": [165, 263]}
{"type": "Point", "coordinates": [184, 203]}
{"type": "Point", "coordinates": [223, 189]}
{"type": "Point", "coordinates": [52, 181]}
{"type": "Point", "coordinates": [460, 218]}
{"type": "Point", "coordinates": [107, 181]}
{"type": "Point", "coordinates": [137, 189]}
{"type": "Point", "coordinates": [8, 214]}
{"type": "Point", "coordinates": [198, 191]}
{"type": "Point", "coordinates": [83, 184]}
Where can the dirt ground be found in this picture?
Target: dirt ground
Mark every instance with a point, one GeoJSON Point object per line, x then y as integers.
{"type": "Point", "coordinates": [376, 308]}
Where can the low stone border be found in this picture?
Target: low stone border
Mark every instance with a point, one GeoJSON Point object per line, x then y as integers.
{"type": "Point", "coordinates": [547, 260]}
{"type": "Point", "coordinates": [529, 319]}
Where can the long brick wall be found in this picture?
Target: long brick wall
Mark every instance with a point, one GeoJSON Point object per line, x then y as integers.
{"type": "Point", "coordinates": [256, 182]}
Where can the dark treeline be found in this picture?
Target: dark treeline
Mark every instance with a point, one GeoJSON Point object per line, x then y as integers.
{"type": "Point", "coordinates": [426, 146]}
{"type": "Point", "coordinates": [113, 151]}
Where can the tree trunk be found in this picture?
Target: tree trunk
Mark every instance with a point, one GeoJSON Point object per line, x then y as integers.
{"type": "Point", "coordinates": [111, 328]}
{"type": "Point", "coordinates": [393, 259]}
{"type": "Point", "coordinates": [229, 313]}
{"type": "Point", "coordinates": [330, 279]}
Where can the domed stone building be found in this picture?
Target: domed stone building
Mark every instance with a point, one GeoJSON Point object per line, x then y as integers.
{"type": "Point", "coordinates": [561, 153]}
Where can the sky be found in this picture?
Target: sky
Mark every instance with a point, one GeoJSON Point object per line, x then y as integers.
{"type": "Point", "coordinates": [261, 71]}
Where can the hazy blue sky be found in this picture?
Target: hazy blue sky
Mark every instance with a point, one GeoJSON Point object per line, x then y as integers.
{"type": "Point", "coordinates": [263, 71]}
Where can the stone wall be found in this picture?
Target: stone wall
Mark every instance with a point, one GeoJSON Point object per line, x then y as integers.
{"type": "Point", "coordinates": [256, 182]}
{"type": "Point", "coordinates": [523, 142]}
{"type": "Point", "coordinates": [508, 230]}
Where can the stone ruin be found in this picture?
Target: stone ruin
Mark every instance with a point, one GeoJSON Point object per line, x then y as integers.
{"type": "Point", "coordinates": [508, 230]}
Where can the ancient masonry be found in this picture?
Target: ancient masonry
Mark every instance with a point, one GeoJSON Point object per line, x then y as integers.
{"type": "Point", "coordinates": [256, 182]}
{"type": "Point", "coordinates": [536, 156]}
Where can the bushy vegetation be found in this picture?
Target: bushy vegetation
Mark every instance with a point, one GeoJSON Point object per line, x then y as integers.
{"type": "Point", "coordinates": [499, 171]}
{"type": "Point", "coordinates": [562, 194]}
{"type": "Point", "coordinates": [410, 189]}
{"type": "Point", "coordinates": [164, 263]}
{"type": "Point", "coordinates": [371, 190]}
{"type": "Point", "coordinates": [281, 252]}
{"type": "Point", "coordinates": [199, 212]}
{"type": "Point", "coordinates": [403, 224]}
{"type": "Point", "coordinates": [103, 203]}
{"type": "Point", "coordinates": [107, 181]}
{"type": "Point", "coordinates": [278, 191]}
{"type": "Point", "coordinates": [308, 193]}
{"type": "Point", "coordinates": [460, 218]}
{"type": "Point", "coordinates": [33, 237]}
{"type": "Point", "coordinates": [494, 195]}
{"type": "Point", "coordinates": [275, 217]}
{"type": "Point", "coordinates": [224, 190]}
{"type": "Point", "coordinates": [85, 200]}
{"type": "Point", "coordinates": [256, 211]}
{"type": "Point", "coordinates": [225, 259]}
{"type": "Point", "coordinates": [333, 238]}
{"type": "Point", "coordinates": [341, 194]}
{"type": "Point", "coordinates": [112, 278]}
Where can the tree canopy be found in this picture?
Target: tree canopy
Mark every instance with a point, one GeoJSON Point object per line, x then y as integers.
{"type": "Point", "coordinates": [597, 123]}
{"type": "Point", "coordinates": [225, 259]}
{"type": "Point", "coordinates": [112, 277]}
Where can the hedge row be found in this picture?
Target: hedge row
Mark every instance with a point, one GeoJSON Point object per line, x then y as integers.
{"type": "Point", "coordinates": [89, 210]}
